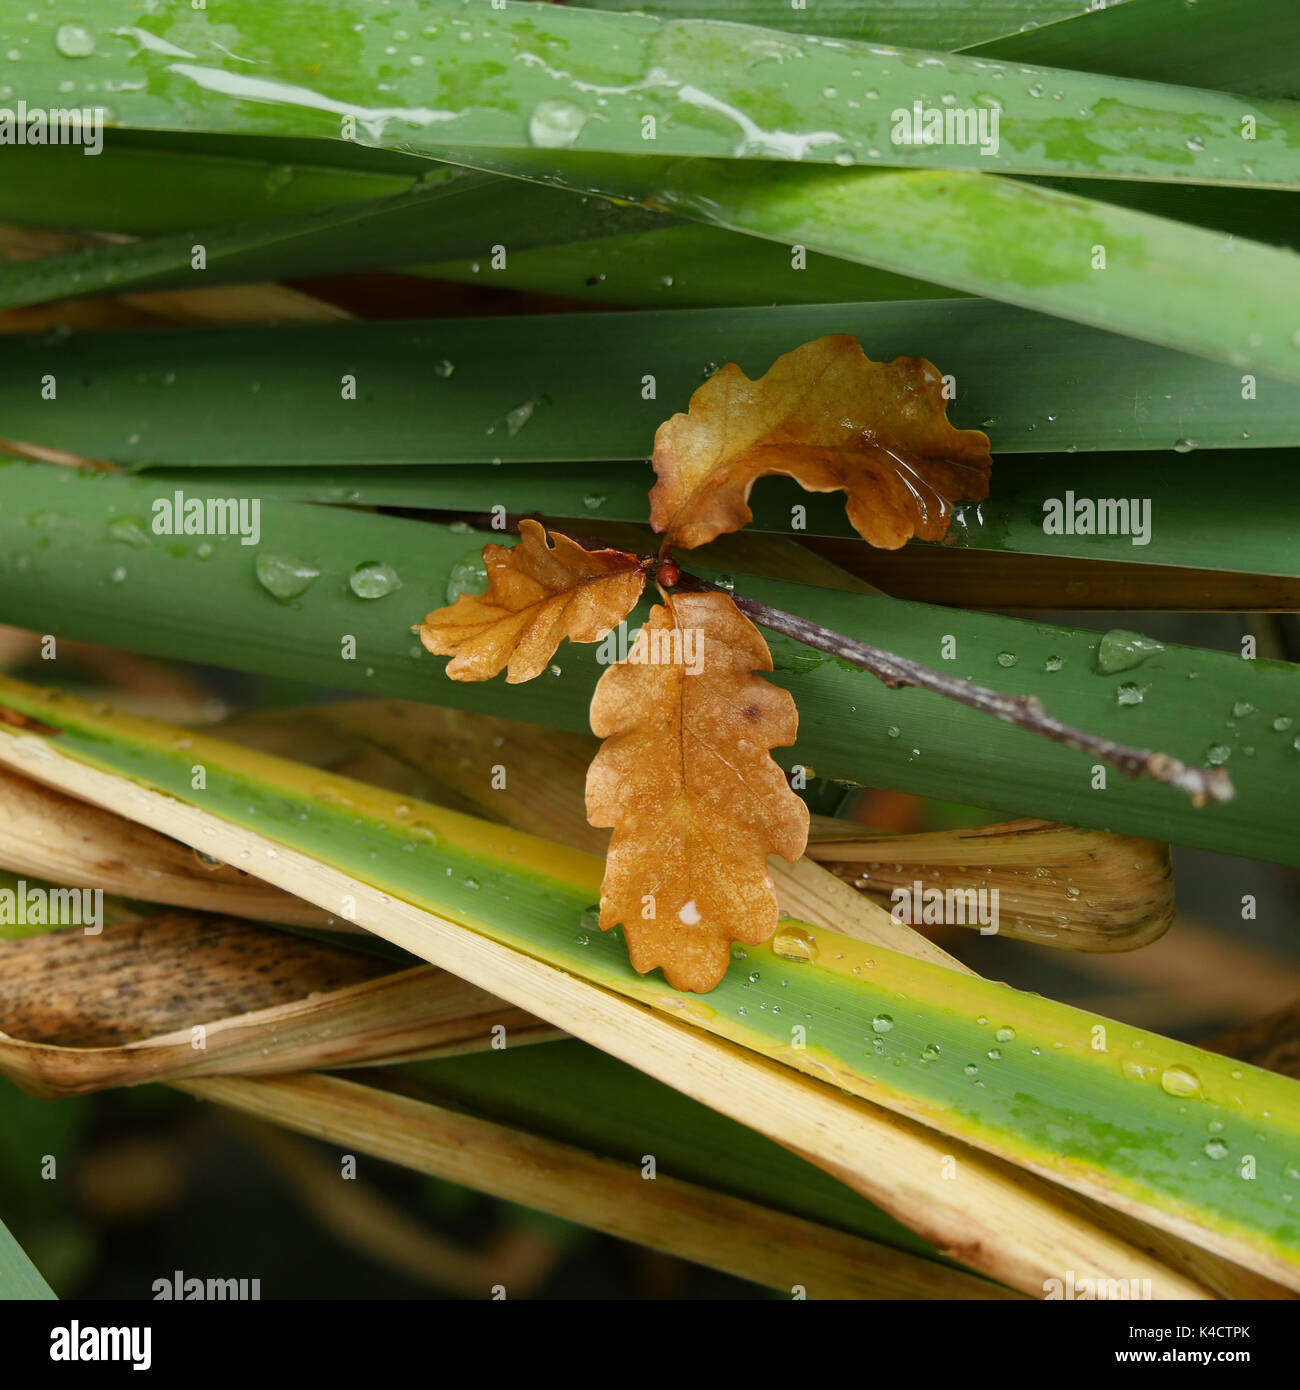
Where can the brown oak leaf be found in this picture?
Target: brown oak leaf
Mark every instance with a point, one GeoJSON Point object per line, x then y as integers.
{"type": "Point", "coordinates": [536, 597]}
{"type": "Point", "coordinates": [685, 779]}
{"type": "Point", "coordinates": [832, 419]}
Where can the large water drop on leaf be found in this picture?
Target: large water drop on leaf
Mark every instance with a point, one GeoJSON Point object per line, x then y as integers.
{"type": "Point", "coordinates": [284, 576]}
{"type": "Point", "coordinates": [74, 41]}
{"type": "Point", "coordinates": [555, 125]}
{"type": "Point", "coordinates": [1122, 650]}
{"type": "Point", "coordinates": [374, 579]}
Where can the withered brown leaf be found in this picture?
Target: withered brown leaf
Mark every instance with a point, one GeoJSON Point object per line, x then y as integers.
{"type": "Point", "coordinates": [685, 779]}
{"type": "Point", "coordinates": [832, 419]}
{"type": "Point", "coordinates": [536, 597]}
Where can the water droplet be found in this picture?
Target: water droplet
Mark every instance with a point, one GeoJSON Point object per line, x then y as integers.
{"type": "Point", "coordinates": [929, 1052]}
{"type": "Point", "coordinates": [994, 1054]}
{"type": "Point", "coordinates": [882, 1023]}
{"type": "Point", "coordinates": [1007, 658]}
{"type": "Point", "coordinates": [1037, 89]}
{"type": "Point", "coordinates": [970, 1069]}
{"type": "Point", "coordinates": [74, 41]}
{"type": "Point", "coordinates": [1005, 1035]}
{"type": "Point", "coordinates": [517, 418]}
{"type": "Point", "coordinates": [1053, 663]}
{"type": "Point", "coordinates": [1122, 650]}
{"type": "Point", "coordinates": [793, 942]}
{"type": "Point", "coordinates": [893, 731]}
{"type": "Point", "coordinates": [555, 125]}
{"type": "Point", "coordinates": [468, 576]}
{"type": "Point", "coordinates": [1178, 1081]}
{"type": "Point", "coordinates": [444, 368]}
{"type": "Point", "coordinates": [128, 530]}
{"type": "Point", "coordinates": [593, 501]}
{"type": "Point", "coordinates": [1184, 446]}
{"type": "Point", "coordinates": [284, 576]}
{"type": "Point", "coordinates": [469, 883]}
{"type": "Point", "coordinates": [1242, 708]}
{"type": "Point", "coordinates": [1217, 754]}
{"type": "Point", "coordinates": [1130, 693]}
{"type": "Point", "coordinates": [1216, 1148]}
{"type": "Point", "coordinates": [1195, 144]}
{"type": "Point", "coordinates": [374, 579]}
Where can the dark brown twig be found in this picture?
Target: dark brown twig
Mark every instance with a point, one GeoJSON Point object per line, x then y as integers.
{"type": "Point", "coordinates": [1202, 785]}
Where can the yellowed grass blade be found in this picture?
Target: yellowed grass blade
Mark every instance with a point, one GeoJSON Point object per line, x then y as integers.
{"type": "Point", "coordinates": [49, 835]}
{"type": "Point", "coordinates": [439, 754]}
{"type": "Point", "coordinates": [180, 995]}
{"type": "Point", "coordinates": [711, 1228]}
{"type": "Point", "coordinates": [1011, 1225]}
{"type": "Point", "coordinates": [1058, 885]}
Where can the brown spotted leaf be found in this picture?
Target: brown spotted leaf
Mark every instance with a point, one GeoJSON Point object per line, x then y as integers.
{"type": "Point", "coordinates": [685, 779]}
{"type": "Point", "coordinates": [536, 597]}
{"type": "Point", "coordinates": [832, 419]}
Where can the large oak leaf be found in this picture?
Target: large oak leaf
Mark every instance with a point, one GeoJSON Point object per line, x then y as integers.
{"type": "Point", "coordinates": [536, 597]}
{"type": "Point", "coordinates": [685, 779]}
{"type": "Point", "coordinates": [829, 417]}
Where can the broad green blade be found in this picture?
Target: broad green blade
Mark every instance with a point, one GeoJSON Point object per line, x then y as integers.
{"type": "Point", "coordinates": [701, 266]}
{"type": "Point", "coordinates": [79, 559]}
{"type": "Point", "coordinates": [1094, 262]}
{"type": "Point", "coordinates": [209, 181]}
{"type": "Point", "coordinates": [1205, 510]}
{"type": "Point", "coordinates": [577, 387]}
{"type": "Point", "coordinates": [1209, 43]}
{"type": "Point", "coordinates": [1160, 1129]}
{"type": "Point", "coordinates": [920, 23]}
{"type": "Point", "coordinates": [458, 215]}
{"type": "Point", "coordinates": [19, 1277]}
{"type": "Point", "coordinates": [417, 75]}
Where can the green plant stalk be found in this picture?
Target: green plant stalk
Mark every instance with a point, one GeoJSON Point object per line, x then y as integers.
{"type": "Point", "coordinates": [579, 387]}
{"type": "Point", "coordinates": [1199, 1143]}
{"type": "Point", "coordinates": [72, 563]}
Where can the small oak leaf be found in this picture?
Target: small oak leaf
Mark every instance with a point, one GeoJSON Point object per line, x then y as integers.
{"type": "Point", "coordinates": [536, 597]}
{"type": "Point", "coordinates": [686, 780]}
{"type": "Point", "coordinates": [832, 419]}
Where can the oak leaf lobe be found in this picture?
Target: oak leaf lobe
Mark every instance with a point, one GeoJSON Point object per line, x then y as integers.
{"type": "Point", "coordinates": [537, 596]}
{"type": "Point", "coordinates": [832, 419]}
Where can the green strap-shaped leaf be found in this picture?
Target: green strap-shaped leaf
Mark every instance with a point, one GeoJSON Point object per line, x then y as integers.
{"type": "Point", "coordinates": [1205, 508]}
{"type": "Point", "coordinates": [416, 75]}
{"type": "Point", "coordinates": [79, 558]}
{"type": "Point", "coordinates": [578, 387]}
{"type": "Point", "coordinates": [450, 214]}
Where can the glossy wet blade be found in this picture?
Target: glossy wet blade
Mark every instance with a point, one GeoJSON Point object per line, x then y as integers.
{"type": "Point", "coordinates": [201, 600]}
{"type": "Point", "coordinates": [414, 76]}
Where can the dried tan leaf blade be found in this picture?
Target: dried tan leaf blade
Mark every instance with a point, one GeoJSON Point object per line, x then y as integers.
{"type": "Point", "coordinates": [832, 419]}
{"type": "Point", "coordinates": [536, 597]}
{"type": "Point", "coordinates": [685, 780]}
